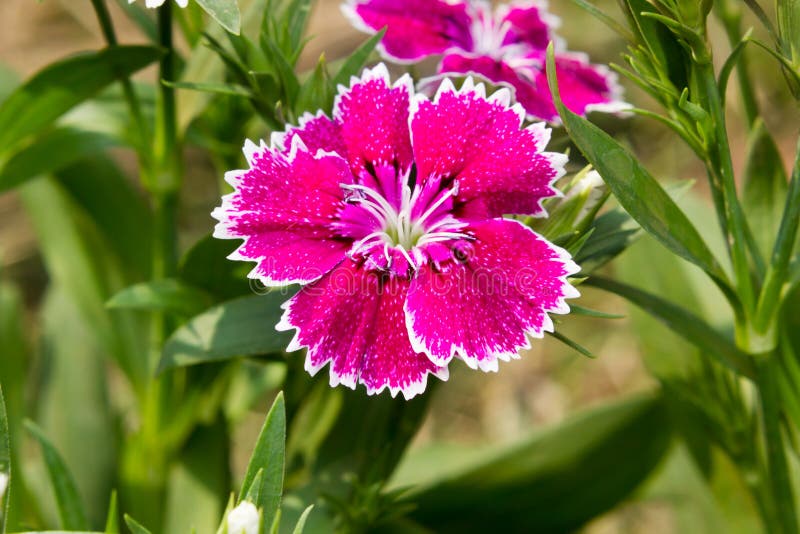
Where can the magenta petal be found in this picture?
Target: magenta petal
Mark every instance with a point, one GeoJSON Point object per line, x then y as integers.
{"type": "Point", "coordinates": [528, 24]}
{"type": "Point", "coordinates": [482, 309]}
{"type": "Point", "coordinates": [415, 29]}
{"type": "Point", "coordinates": [283, 207]}
{"type": "Point", "coordinates": [583, 86]}
{"type": "Point", "coordinates": [317, 132]}
{"type": "Point", "coordinates": [373, 119]}
{"type": "Point", "coordinates": [536, 101]}
{"type": "Point", "coordinates": [500, 167]}
{"type": "Point", "coordinates": [353, 319]}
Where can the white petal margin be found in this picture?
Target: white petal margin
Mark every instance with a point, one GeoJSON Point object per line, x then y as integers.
{"type": "Point", "coordinates": [378, 72]}
{"type": "Point", "coordinates": [491, 364]}
{"type": "Point", "coordinates": [244, 519]}
{"type": "Point", "coordinates": [3, 485]}
{"type": "Point", "coordinates": [223, 212]}
{"type": "Point", "coordinates": [159, 3]}
{"type": "Point", "coordinates": [335, 379]}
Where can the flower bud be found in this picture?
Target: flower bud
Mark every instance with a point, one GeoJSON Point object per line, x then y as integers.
{"type": "Point", "coordinates": [244, 519]}
{"type": "Point", "coordinates": [575, 211]}
{"type": "Point", "coordinates": [3, 485]}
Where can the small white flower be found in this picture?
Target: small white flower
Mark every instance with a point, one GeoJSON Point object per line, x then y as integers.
{"type": "Point", "coordinates": [243, 519]}
{"type": "Point", "coordinates": [156, 3]}
{"type": "Point", "coordinates": [3, 485]}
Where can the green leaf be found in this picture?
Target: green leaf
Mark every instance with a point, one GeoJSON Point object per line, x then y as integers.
{"type": "Point", "coordinates": [226, 12]}
{"type": "Point", "coordinates": [58, 87]}
{"type": "Point", "coordinates": [216, 88]}
{"type": "Point", "coordinates": [580, 349]}
{"type": "Point", "coordinates": [301, 523]}
{"type": "Point", "coordinates": [112, 519]}
{"type": "Point", "coordinates": [588, 312]}
{"type": "Point", "coordinates": [50, 152]}
{"type": "Point", "coordinates": [240, 327]}
{"type": "Point", "coordinates": [684, 323]}
{"type": "Point", "coordinates": [70, 508]}
{"type": "Point", "coordinates": [317, 91]}
{"type": "Point", "coordinates": [635, 189]}
{"type": "Point", "coordinates": [555, 481]}
{"type": "Point", "coordinates": [206, 265]}
{"type": "Point", "coordinates": [356, 61]}
{"type": "Point", "coordinates": [765, 185]}
{"type": "Point", "coordinates": [134, 526]}
{"type": "Point", "coordinates": [72, 401]}
{"type": "Point", "coordinates": [167, 295]}
{"type": "Point", "coordinates": [80, 263]}
{"type": "Point", "coordinates": [5, 461]}
{"type": "Point", "coordinates": [268, 459]}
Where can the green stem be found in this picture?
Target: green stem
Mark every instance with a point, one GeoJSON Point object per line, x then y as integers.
{"type": "Point", "coordinates": [147, 456]}
{"type": "Point", "coordinates": [129, 93]}
{"type": "Point", "coordinates": [777, 465]}
{"type": "Point", "coordinates": [720, 156]}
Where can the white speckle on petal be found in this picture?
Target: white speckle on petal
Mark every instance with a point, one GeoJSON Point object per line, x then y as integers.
{"type": "Point", "coordinates": [243, 519]}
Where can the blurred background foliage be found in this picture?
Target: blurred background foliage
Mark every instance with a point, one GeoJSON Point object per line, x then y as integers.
{"type": "Point", "coordinates": [67, 246]}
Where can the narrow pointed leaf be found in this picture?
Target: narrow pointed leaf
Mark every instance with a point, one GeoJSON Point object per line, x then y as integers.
{"type": "Point", "coordinates": [684, 323]}
{"type": "Point", "coordinates": [572, 344]}
{"type": "Point", "coordinates": [765, 185]}
{"type": "Point", "coordinates": [268, 459]}
{"type": "Point", "coordinates": [70, 509]}
{"type": "Point", "coordinates": [134, 526]}
{"type": "Point", "coordinates": [51, 152]}
{"type": "Point", "coordinates": [301, 523]}
{"type": "Point", "coordinates": [167, 295]}
{"type": "Point", "coordinates": [58, 87]}
{"type": "Point", "coordinates": [554, 481]}
{"type": "Point", "coordinates": [635, 189]}
{"type": "Point", "coordinates": [112, 521]}
{"type": "Point", "coordinates": [240, 327]}
{"type": "Point", "coordinates": [356, 61]}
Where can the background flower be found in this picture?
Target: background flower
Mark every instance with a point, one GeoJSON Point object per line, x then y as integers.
{"type": "Point", "coordinates": [505, 45]}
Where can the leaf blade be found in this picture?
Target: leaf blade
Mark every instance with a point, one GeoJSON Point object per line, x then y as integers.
{"type": "Point", "coordinates": [60, 86]}
{"type": "Point", "coordinates": [70, 508]}
{"type": "Point", "coordinates": [232, 329]}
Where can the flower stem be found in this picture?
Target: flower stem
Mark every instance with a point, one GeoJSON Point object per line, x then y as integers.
{"type": "Point", "coordinates": [777, 465]}
{"type": "Point", "coordinates": [128, 91]}
{"type": "Point", "coordinates": [720, 158]}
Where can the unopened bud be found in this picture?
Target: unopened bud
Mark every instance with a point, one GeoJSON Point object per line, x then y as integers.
{"type": "Point", "coordinates": [3, 485]}
{"type": "Point", "coordinates": [244, 519]}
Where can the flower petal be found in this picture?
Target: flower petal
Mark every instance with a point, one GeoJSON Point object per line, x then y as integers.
{"type": "Point", "coordinates": [536, 101]}
{"type": "Point", "coordinates": [353, 319]}
{"type": "Point", "coordinates": [481, 309]}
{"type": "Point", "coordinates": [529, 24]}
{"type": "Point", "coordinates": [373, 118]}
{"type": "Point", "coordinates": [478, 141]}
{"type": "Point", "coordinates": [415, 29]}
{"type": "Point", "coordinates": [584, 87]}
{"type": "Point", "coordinates": [284, 207]}
{"type": "Point", "coordinates": [317, 132]}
